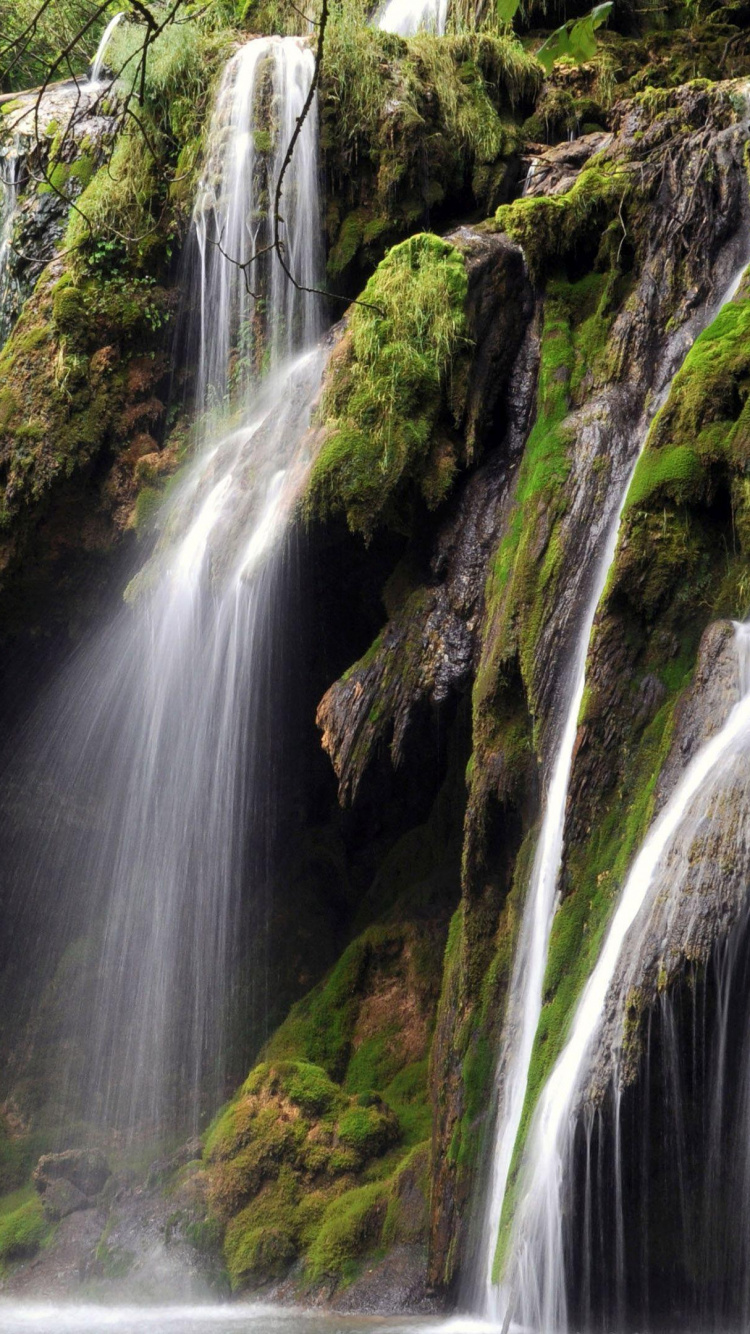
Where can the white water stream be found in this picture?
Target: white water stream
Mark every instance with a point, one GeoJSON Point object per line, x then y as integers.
{"type": "Point", "coordinates": [152, 762]}
{"type": "Point", "coordinates": [10, 168]}
{"type": "Point", "coordinates": [98, 66]}
{"type": "Point", "coordinates": [407, 17]}
{"type": "Point", "coordinates": [537, 1256]}
{"type": "Point", "coordinates": [525, 995]}
{"type": "Point", "coordinates": [95, 77]}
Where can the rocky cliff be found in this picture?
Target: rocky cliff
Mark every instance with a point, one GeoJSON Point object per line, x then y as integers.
{"type": "Point", "coordinates": [535, 258]}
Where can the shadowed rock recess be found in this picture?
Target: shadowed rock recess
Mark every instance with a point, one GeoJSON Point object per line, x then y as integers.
{"type": "Point", "coordinates": [533, 325]}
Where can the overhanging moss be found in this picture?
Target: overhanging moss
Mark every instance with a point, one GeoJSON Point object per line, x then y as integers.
{"type": "Point", "coordinates": [387, 385]}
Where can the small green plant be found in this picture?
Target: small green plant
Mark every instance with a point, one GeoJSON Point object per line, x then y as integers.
{"type": "Point", "coordinates": [575, 39]}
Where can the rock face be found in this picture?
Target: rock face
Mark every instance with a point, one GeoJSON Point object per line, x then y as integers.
{"type": "Point", "coordinates": [70, 1181]}
{"type": "Point", "coordinates": [43, 177]}
{"type": "Point", "coordinates": [528, 375]}
{"type": "Point", "coordinates": [702, 889]}
{"type": "Point", "coordinates": [606, 351]}
{"type": "Point", "coordinates": [555, 169]}
{"type": "Point", "coordinates": [428, 649]}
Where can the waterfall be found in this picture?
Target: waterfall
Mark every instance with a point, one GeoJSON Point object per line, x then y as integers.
{"type": "Point", "coordinates": [407, 17]}
{"type": "Point", "coordinates": [251, 318]}
{"type": "Point", "coordinates": [95, 77]}
{"type": "Point", "coordinates": [10, 171]}
{"type": "Point", "coordinates": [153, 760]}
{"type": "Point", "coordinates": [526, 988]}
{"type": "Point", "coordinates": [537, 1258]}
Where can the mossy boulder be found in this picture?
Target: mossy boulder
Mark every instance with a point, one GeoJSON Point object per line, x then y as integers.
{"type": "Point", "coordinates": [82, 374]}
{"type": "Point", "coordinates": [307, 1161]}
{"type": "Point", "coordinates": [411, 388]}
{"type": "Point", "coordinates": [289, 1143]}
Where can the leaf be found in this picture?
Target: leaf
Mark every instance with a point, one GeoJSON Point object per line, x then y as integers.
{"type": "Point", "coordinates": [556, 46]}
{"type": "Point", "coordinates": [582, 40]}
{"type": "Point", "coordinates": [600, 13]}
{"type": "Point", "coordinates": [507, 10]}
{"type": "Point", "coordinates": [574, 39]}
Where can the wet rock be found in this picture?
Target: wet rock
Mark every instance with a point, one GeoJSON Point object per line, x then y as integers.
{"type": "Point", "coordinates": [555, 169]}
{"type": "Point", "coordinates": [703, 710]}
{"type": "Point", "coordinates": [86, 1170]}
{"type": "Point", "coordinates": [702, 886]}
{"type": "Point", "coordinates": [61, 1198]}
{"type": "Point", "coordinates": [428, 649]}
{"type": "Point", "coordinates": [394, 1286]}
{"type": "Point", "coordinates": [163, 1168]}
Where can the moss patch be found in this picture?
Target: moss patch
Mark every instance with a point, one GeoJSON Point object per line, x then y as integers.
{"type": "Point", "coordinates": [22, 1232]}
{"type": "Point", "coordinates": [387, 384]}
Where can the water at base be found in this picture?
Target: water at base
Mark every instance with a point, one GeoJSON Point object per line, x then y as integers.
{"type": "Point", "coordinates": [242, 1318]}
{"type": "Point", "coordinates": [525, 995]}
{"type": "Point", "coordinates": [407, 17]}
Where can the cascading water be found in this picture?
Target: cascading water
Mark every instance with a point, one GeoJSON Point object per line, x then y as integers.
{"type": "Point", "coordinates": [10, 171]}
{"type": "Point", "coordinates": [525, 995]}
{"type": "Point", "coordinates": [538, 1256]}
{"type": "Point", "coordinates": [407, 17]}
{"type": "Point", "coordinates": [249, 316]}
{"type": "Point", "coordinates": [95, 77]}
{"type": "Point", "coordinates": [156, 747]}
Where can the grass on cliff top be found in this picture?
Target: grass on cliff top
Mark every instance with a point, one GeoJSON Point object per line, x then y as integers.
{"type": "Point", "coordinates": [387, 385]}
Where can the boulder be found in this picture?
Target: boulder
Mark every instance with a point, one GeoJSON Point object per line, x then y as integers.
{"type": "Point", "coordinates": [86, 1170]}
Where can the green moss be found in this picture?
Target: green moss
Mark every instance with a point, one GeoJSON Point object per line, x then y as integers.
{"type": "Point", "coordinates": [113, 1261]}
{"type": "Point", "coordinates": [676, 470]}
{"type": "Point", "coordinates": [526, 565]}
{"type": "Point", "coordinates": [386, 383]}
{"type": "Point", "coordinates": [57, 179]}
{"type": "Point", "coordinates": [351, 1226]}
{"type": "Point", "coordinates": [263, 1240]}
{"type": "Point", "coordinates": [147, 507]}
{"type": "Point", "coordinates": [263, 141]}
{"type": "Point", "coordinates": [82, 170]}
{"type": "Point", "coordinates": [22, 1232]}
{"type": "Point", "coordinates": [68, 306]}
{"type": "Point", "coordinates": [367, 1130]}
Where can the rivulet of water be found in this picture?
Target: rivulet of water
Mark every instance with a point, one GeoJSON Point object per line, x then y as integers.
{"type": "Point", "coordinates": [537, 1256]}
{"type": "Point", "coordinates": [11, 163]}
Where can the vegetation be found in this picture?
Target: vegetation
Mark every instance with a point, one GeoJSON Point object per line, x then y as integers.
{"type": "Point", "coordinates": [22, 1232]}
{"type": "Point", "coordinates": [318, 1158]}
{"type": "Point", "coordinates": [390, 377]}
{"type": "Point", "coordinates": [301, 1163]}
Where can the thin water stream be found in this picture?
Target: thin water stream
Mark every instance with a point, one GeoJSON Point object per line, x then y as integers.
{"type": "Point", "coordinates": [525, 996]}
{"type": "Point", "coordinates": [408, 17]}
{"type": "Point", "coordinates": [538, 1253]}
{"type": "Point", "coordinates": [95, 77]}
